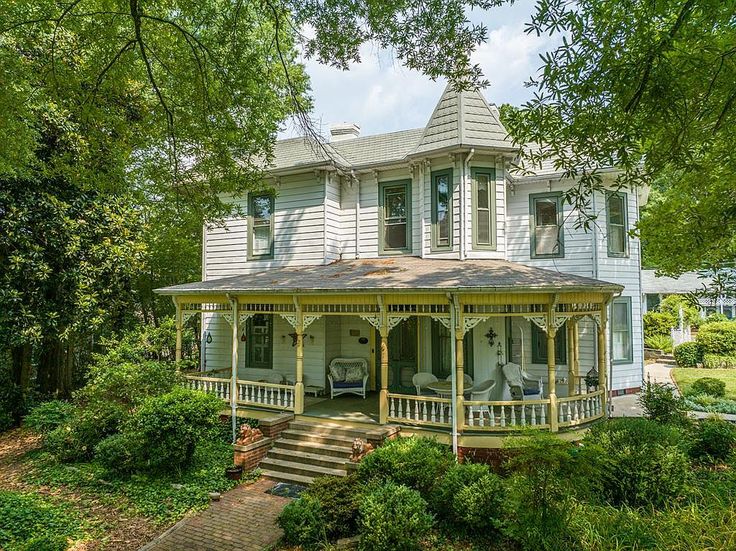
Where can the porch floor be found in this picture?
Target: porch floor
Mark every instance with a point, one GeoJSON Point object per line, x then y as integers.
{"type": "Point", "coordinates": [347, 407]}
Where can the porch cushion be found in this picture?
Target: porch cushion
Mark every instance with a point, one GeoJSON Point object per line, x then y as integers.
{"type": "Point", "coordinates": [530, 391]}
{"type": "Point", "coordinates": [346, 384]}
{"type": "Point", "coordinates": [337, 372]}
{"type": "Point", "coordinates": [354, 374]}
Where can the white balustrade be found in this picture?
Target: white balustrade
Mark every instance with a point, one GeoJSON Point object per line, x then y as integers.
{"type": "Point", "coordinates": [419, 410]}
{"type": "Point", "coordinates": [217, 386]}
{"type": "Point", "coordinates": [266, 395]}
{"type": "Point", "coordinates": [506, 415]}
{"type": "Point", "coordinates": [575, 410]}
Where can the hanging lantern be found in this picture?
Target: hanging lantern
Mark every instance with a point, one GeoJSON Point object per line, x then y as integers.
{"type": "Point", "coordinates": [209, 337]}
{"type": "Point", "coordinates": [242, 337]}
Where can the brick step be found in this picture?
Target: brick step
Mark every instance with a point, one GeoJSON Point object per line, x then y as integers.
{"type": "Point", "coordinates": [288, 477]}
{"type": "Point", "coordinates": [296, 456]}
{"type": "Point", "coordinates": [306, 436]}
{"type": "Point", "coordinates": [313, 447]}
{"type": "Point", "coordinates": [328, 429]}
{"type": "Point", "coordinates": [301, 469]}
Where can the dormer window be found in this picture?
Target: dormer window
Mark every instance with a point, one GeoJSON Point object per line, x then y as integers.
{"type": "Point", "coordinates": [260, 227]}
{"type": "Point", "coordinates": [442, 210]}
{"type": "Point", "coordinates": [484, 208]}
{"type": "Point", "coordinates": [545, 213]}
{"type": "Point", "coordinates": [395, 208]}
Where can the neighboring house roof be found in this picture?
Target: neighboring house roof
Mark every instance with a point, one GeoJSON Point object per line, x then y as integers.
{"type": "Point", "coordinates": [398, 275]}
{"type": "Point", "coordinates": [651, 284]}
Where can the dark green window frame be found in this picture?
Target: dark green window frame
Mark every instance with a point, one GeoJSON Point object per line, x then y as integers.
{"type": "Point", "coordinates": [252, 222]}
{"type": "Point", "coordinates": [533, 198]}
{"type": "Point", "coordinates": [610, 227]}
{"type": "Point", "coordinates": [479, 212]}
{"type": "Point", "coordinates": [439, 331]}
{"type": "Point", "coordinates": [383, 218]}
{"type": "Point", "coordinates": [251, 337]}
{"type": "Point", "coordinates": [539, 346]}
{"type": "Point", "coordinates": [629, 357]}
{"type": "Point", "coordinates": [439, 242]}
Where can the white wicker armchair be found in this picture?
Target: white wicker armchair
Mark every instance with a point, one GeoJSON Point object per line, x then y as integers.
{"type": "Point", "coordinates": [348, 376]}
{"type": "Point", "coordinates": [521, 385]}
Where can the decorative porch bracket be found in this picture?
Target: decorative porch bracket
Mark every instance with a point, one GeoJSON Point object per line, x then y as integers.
{"type": "Point", "coordinates": [393, 320]}
{"type": "Point", "coordinates": [242, 318]}
{"type": "Point", "coordinates": [307, 320]}
{"type": "Point", "coordinates": [445, 321]}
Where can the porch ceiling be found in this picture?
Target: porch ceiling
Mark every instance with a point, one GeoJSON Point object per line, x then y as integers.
{"type": "Point", "coordinates": [399, 275]}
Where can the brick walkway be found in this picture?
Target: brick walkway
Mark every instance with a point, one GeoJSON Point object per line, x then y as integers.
{"type": "Point", "coordinates": [244, 519]}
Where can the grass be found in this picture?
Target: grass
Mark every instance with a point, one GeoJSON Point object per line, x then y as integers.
{"type": "Point", "coordinates": [685, 376]}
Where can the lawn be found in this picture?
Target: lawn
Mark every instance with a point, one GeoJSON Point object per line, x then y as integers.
{"type": "Point", "coordinates": [684, 377]}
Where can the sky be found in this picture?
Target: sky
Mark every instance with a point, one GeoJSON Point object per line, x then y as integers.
{"type": "Point", "coordinates": [380, 95]}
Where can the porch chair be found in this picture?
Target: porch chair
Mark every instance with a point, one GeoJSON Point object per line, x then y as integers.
{"type": "Point", "coordinates": [521, 385]}
{"type": "Point", "coordinates": [481, 393]}
{"type": "Point", "coordinates": [348, 376]}
{"type": "Point", "coordinates": [467, 380]}
{"type": "Point", "coordinates": [421, 380]}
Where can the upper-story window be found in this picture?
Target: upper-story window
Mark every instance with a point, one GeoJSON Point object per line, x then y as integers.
{"type": "Point", "coordinates": [484, 208]}
{"type": "Point", "coordinates": [260, 227]}
{"type": "Point", "coordinates": [545, 213]}
{"type": "Point", "coordinates": [617, 224]}
{"type": "Point", "coordinates": [442, 209]}
{"type": "Point", "coordinates": [395, 208]}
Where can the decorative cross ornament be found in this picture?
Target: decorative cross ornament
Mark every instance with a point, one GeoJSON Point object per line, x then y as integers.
{"type": "Point", "coordinates": [491, 336]}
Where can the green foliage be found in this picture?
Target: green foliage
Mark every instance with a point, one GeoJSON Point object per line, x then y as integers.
{"type": "Point", "coordinates": [393, 517]}
{"type": "Point", "coordinates": [659, 342]}
{"type": "Point", "coordinates": [162, 433]}
{"type": "Point", "coordinates": [644, 461]}
{"type": "Point", "coordinates": [712, 440]}
{"type": "Point", "coordinates": [714, 361]}
{"type": "Point", "coordinates": [30, 521]}
{"type": "Point", "coordinates": [76, 439]}
{"type": "Point", "coordinates": [48, 416]}
{"type": "Point", "coordinates": [661, 403]}
{"type": "Point", "coordinates": [12, 402]}
{"type": "Point", "coordinates": [714, 317]}
{"type": "Point", "coordinates": [711, 404]}
{"type": "Point", "coordinates": [690, 313]}
{"type": "Point", "coordinates": [658, 324]}
{"type": "Point", "coordinates": [416, 462]}
{"type": "Point", "coordinates": [302, 521]}
{"type": "Point", "coordinates": [688, 354]}
{"type": "Point", "coordinates": [339, 497]}
{"type": "Point", "coordinates": [707, 385]}
{"type": "Point", "coordinates": [718, 338]}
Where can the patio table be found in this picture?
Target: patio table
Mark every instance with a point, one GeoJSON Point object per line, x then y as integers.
{"type": "Point", "coordinates": [444, 388]}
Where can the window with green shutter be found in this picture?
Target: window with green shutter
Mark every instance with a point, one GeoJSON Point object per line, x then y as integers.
{"type": "Point", "coordinates": [484, 208]}
{"type": "Point", "coordinates": [539, 346]}
{"type": "Point", "coordinates": [395, 218]}
{"type": "Point", "coordinates": [622, 350]}
{"type": "Point", "coordinates": [617, 224]}
{"type": "Point", "coordinates": [442, 210]}
{"type": "Point", "coordinates": [546, 223]}
{"type": "Point", "coordinates": [441, 351]}
{"type": "Point", "coordinates": [260, 227]}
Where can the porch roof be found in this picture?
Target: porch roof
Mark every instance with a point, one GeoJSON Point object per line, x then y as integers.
{"type": "Point", "coordinates": [399, 274]}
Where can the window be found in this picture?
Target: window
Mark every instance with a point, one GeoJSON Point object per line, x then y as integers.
{"type": "Point", "coordinates": [484, 200]}
{"type": "Point", "coordinates": [441, 350]}
{"type": "Point", "coordinates": [545, 214]}
{"type": "Point", "coordinates": [617, 230]}
{"type": "Point", "coordinates": [260, 223]}
{"type": "Point", "coordinates": [259, 341]}
{"type": "Point", "coordinates": [621, 331]}
{"type": "Point", "coordinates": [442, 209]}
{"type": "Point", "coordinates": [395, 206]}
{"type": "Point", "coordinates": [539, 346]}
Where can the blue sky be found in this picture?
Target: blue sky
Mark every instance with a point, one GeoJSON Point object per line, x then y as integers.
{"type": "Point", "coordinates": [381, 96]}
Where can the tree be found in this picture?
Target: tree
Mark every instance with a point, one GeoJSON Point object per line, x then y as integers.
{"type": "Point", "coordinates": [647, 87]}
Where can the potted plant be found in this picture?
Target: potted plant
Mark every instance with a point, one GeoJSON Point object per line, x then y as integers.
{"type": "Point", "coordinates": [234, 472]}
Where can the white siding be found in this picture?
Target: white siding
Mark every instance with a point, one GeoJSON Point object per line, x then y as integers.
{"type": "Point", "coordinates": [332, 219]}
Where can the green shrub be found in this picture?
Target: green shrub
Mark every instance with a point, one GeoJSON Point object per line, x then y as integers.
{"type": "Point", "coordinates": [659, 342]}
{"type": "Point", "coordinates": [657, 323]}
{"type": "Point", "coordinates": [340, 496]}
{"type": "Point", "coordinates": [718, 338]}
{"type": "Point", "coordinates": [393, 517]}
{"type": "Point", "coordinates": [302, 521]}
{"type": "Point", "coordinates": [713, 317]}
{"type": "Point", "coordinates": [704, 402]}
{"type": "Point", "coordinates": [75, 440]}
{"type": "Point", "coordinates": [714, 361]}
{"type": "Point", "coordinates": [12, 402]}
{"type": "Point", "coordinates": [688, 354]}
{"type": "Point", "coordinates": [44, 543]}
{"type": "Point", "coordinates": [645, 463]}
{"type": "Point", "coordinates": [48, 416]}
{"type": "Point", "coordinates": [163, 432]}
{"type": "Point", "coordinates": [707, 385]}
{"type": "Point", "coordinates": [713, 440]}
{"type": "Point", "coordinates": [673, 303]}
{"type": "Point", "coordinates": [662, 404]}
{"type": "Point", "coordinates": [418, 463]}
{"type": "Point", "coordinates": [28, 517]}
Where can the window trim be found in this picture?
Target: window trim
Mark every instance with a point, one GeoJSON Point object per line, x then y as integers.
{"type": "Point", "coordinates": [557, 195]}
{"type": "Point", "coordinates": [625, 198]}
{"type": "Point", "coordinates": [468, 353]}
{"type": "Point", "coordinates": [251, 233]}
{"type": "Point", "coordinates": [382, 217]}
{"type": "Point", "coordinates": [540, 356]}
{"type": "Point", "coordinates": [630, 358]}
{"type": "Point", "coordinates": [451, 205]}
{"type": "Point", "coordinates": [491, 172]}
{"type": "Point", "coordinates": [249, 341]}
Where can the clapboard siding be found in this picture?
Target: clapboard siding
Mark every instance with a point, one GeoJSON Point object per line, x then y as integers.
{"type": "Point", "coordinates": [332, 219]}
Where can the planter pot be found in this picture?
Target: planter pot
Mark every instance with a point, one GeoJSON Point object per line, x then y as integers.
{"type": "Point", "coordinates": [234, 473]}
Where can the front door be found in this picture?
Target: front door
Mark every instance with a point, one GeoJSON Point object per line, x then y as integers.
{"type": "Point", "coordinates": [402, 356]}
{"type": "Point", "coordinates": [260, 341]}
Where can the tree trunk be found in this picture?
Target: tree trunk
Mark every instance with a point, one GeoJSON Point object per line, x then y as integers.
{"type": "Point", "coordinates": [21, 362]}
{"type": "Point", "coordinates": [50, 363]}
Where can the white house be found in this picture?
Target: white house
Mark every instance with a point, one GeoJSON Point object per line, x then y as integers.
{"type": "Point", "coordinates": [420, 252]}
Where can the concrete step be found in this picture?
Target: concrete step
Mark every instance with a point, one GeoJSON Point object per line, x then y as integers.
{"type": "Point", "coordinates": [301, 469]}
{"type": "Point", "coordinates": [306, 436]}
{"type": "Point", "coordinates": [321, 460]}
{"type": "Point", "coordinates": [313, 447]}
{"type": "Point", "coordinates": [287, 477]}
{"type": "Point", "coordinates": [328, 429]}
{"type": "Point", "coordinates": [666, 362]}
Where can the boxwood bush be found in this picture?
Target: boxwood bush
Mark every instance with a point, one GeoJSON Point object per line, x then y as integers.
{"type": "Point", "coordinates": [714, 361]}
{"type": "Point", "coordinates": [688, 354]}
{"type": "Point", "coordinates": [48, 416]}
{"type": "Point", "coordinates": [718, 338]}
{"type": "Point", "coordinates": [713, 440]}
{"type": "Point", "coordinates": [340, 498]}
{"type": "Point", "coordinates": [707, 385]}
{"type": "Point", "coordinates": [302, 521]}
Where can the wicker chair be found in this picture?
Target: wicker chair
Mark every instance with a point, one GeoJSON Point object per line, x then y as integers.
{"type": "Point", "coordinates": [340, 380]}
{"type": "Point", "coordinates": [521, 385]}
{"type": "Point", "coordinates": [421, 380]}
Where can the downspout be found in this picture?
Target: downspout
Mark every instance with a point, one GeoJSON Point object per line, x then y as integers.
{"type": "Point", "coordinates": [357, 213]}
{"type": "Point", "coordinates": [463, 213]}
{"type": "Point", "coordinates": [453, 372]}
{"type": "Point", "coordinates": [234, 367]}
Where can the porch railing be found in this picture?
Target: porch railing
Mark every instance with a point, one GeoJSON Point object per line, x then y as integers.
{"type": "Point", "coordinates": [575, 410]}
{"type": "Point", "coordinates": [506, 415]}
{"type": "Point", "coordinates": [249, 393]}
{"type": "Point", "coordinates": [419, 410]}
{"type": "Point", "coordinates": [217, 386]}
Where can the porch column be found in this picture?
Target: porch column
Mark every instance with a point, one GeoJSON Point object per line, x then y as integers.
{"type": "Point", "coordinates": [234, 368]}
{"type": "Point", "coordinates": [299, 384]}
{"type": "Point", "coordinates": [179, 325]}
{"type": "Point", "coordinates": [460, 382]}
{"type": "Point", "coordinates": [383, 396]}
{"type": "Point", "coordinates": [551, 375]}
{"type": "Point", "coordinates": [571, 387]}
{"type": "Point", "coordinates": [576, 349]}
{"type": "Point", "coordinates": [602, 360]}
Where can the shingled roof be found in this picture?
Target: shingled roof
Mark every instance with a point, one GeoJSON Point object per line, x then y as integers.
{"type": "Point", "coordinates": [398, 275]}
